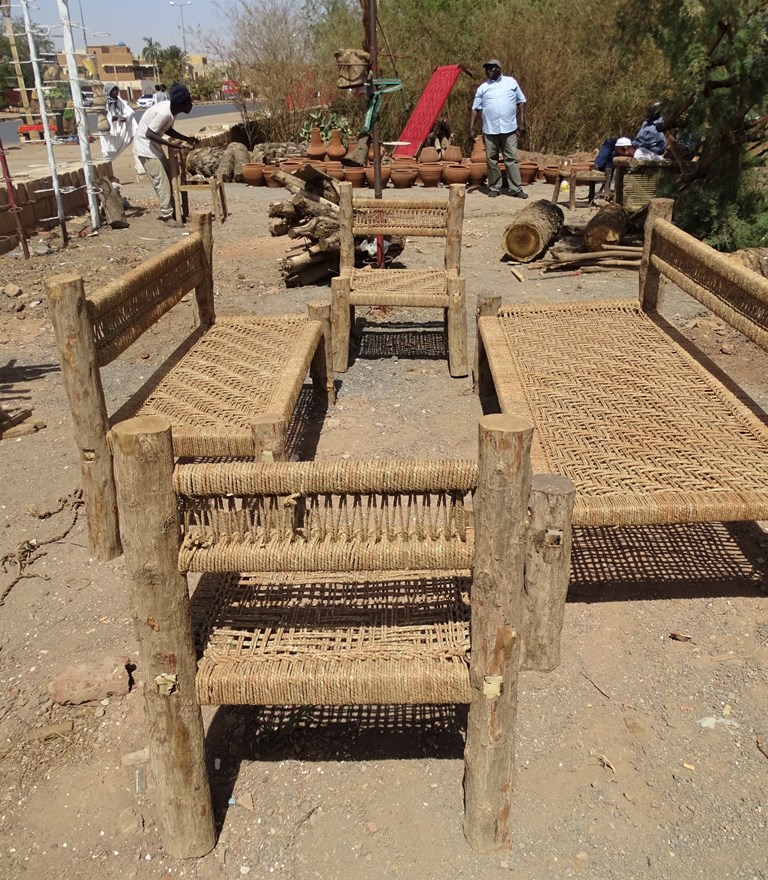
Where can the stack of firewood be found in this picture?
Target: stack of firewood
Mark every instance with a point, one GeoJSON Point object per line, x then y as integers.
{"type": "Point", "coordinates": [311, 217]}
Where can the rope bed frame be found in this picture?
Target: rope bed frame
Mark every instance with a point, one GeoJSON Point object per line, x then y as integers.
{"type": "Point", "coordinates": [339, 583]}
{"type": "Point", "coordinates": [624, 406]}
{"type": "Point", "coordinates": [230, 388]}
{"type": "Point", "coordinates": [404, 288]}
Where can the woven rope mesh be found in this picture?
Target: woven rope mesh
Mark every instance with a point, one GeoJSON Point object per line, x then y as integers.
{"type": "Point", "coordinates": [425, 288]}
{"type": "Point", "coordinates": [644, 431]}
{"type": "Point", "coordinates": [240, 368]}
{"type": "Point", "coordinates": [129, 306]}
{"type": "Point", "coordinates": [371, 217]}
{"type": "Point", "coordinates": [640, 185]}
{"type": "Point", "coordinates": [733, 292]}
{"type": "Point", "coordinates": [286, 640]}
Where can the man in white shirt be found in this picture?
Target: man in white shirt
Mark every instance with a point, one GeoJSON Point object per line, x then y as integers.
{"type": "Point", "coordinates": [160, 93]}
{"type": "Point", "coordinates": [501, 102]}
{"type": "Point", "coordinates": [156, 131]}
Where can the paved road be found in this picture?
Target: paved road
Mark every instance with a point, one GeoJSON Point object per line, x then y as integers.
{"type": "Point", "coordinates": [9, 135]}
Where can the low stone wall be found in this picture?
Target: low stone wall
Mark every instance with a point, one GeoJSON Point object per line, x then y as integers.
{"type": "Point", "coordinates": [37, 204]}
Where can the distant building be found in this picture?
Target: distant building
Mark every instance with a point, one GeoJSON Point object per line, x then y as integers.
{"type": "Point", "coordinates": [134, 75]}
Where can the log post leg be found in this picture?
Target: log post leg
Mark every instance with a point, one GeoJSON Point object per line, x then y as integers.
{"type": "Point", "coordinates": [143, 453]}
{"type": "Point", "coordinates": [503, 490]}
{"type": "Point", "coordinates": [205, 308]}
{"type": "Point", "coordinates": [556, 190]}
{"type": "Point", "coordinates": [572, 192]}
{"type": "Point", "coordinates": [488, 307]}
{"type": "Point", "coordinates": [82, 382]}
{"type": "Point", "coordinates": [222, 197]}
{"type": "Point", "coordinates": [456, 328]}
{"type": "Point", "coordinates": [341, 321]}
{"type": "Point", "coordinates": [547, 570]}
{"type": "Point", "coordinates": [214, 187]}
{"type": "Point", "coordinates": [321, 368]}
{"type": "Point", "coordinates": [650, 278]}
{"type": "Point", "coordinates": [269, 434]}
{"type": "Point", "coordinates": [173, 159]}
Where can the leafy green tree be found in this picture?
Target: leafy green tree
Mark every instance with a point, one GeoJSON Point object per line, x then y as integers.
{"type": "Point", "coordinates": [151, 51]}
{"type": "Point", "coordinates": [173, 63]}
{"type": "Point", "coordinates": [43, 43]}
{"type": "Point", "coordinates": [717, 54]}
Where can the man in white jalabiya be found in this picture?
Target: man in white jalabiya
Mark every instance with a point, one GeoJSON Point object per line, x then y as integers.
{"type": "Point", "coordinates": [122, 124]}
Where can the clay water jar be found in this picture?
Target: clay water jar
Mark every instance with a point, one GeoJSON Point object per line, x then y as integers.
{"type": "Point", "coordinates": [253, 173]}
{"type": "Point", "coordinates": [355, 175]}
{"type": "Point", "coordinates": [269, 170]}
{"type": "Point", "coordinates": [528, 171]}
{"type": "Point", "coordinates": [456, 172]}
{"type": "Point", "coordinates": [334, 170]}
{"type": "Point", "coordinates": [428, 155]}
{"type": "Point", "coordinates": [386, 170]}
{"type": "Point", "coordinates": [452, 153]}
{"type": "Point", "coordinates": [477, 172]}
{"type": "Point", "coordinates": [550, 173]}
{"type": "Point", "coordinates": [404, 162]}
{"type": "Point", "coordinates": [315, 147]}
{"type": "Point", "coordinates": [403, 177]}
{"type": "Point", "coordinates": [335, 149]}
{"type": "Point", "coordinates": [478, 150]}
{"type": "Point", "coordinates": [430, 172]}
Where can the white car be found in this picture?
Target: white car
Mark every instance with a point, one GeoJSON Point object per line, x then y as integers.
{"type": "Point", "coordinates": [145, 101]}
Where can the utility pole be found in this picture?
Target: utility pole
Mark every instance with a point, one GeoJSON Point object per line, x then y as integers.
{"type": "Point", "coordinates": [6, 8]}
{"type": "Point", "coordinates": [83, 132]}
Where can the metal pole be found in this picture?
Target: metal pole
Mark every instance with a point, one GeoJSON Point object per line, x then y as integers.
{"type": "Point", "coordinates": [373, 48]}
{"type": "Point", "coordinates": [83, 132]}
{"type": "Point", "coordinates": [34, 60]}
{"type": "Point", "coordinates": [6, 7]}
{"type": "Point", "coordinates": [12, 202]}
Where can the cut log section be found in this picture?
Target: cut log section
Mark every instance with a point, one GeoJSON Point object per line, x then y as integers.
{"type": "Point", "coordinates": [607, 227]}
{"type": "Point", "coordinates": [753, 258]}
{"type": "Point", "coordinates": [532, 231]}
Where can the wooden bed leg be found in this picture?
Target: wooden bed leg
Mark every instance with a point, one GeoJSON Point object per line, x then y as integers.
{"type": "Point", "coordinates": [222, 196]}
{"type": "Point", "coordinates": [482, 381]}
{"type": "Point", "coordinates": [501, 516]}
{"type": "Point", "coordinates": [650, 278]}
{"type": "Point", "coordinates": [205, 308]}
{"type": "Point", "coordinates": [214, 185]}
{"type": "Point", "coordinates": [340, 319]}
{"type": "Point", "coordinates": [321, 368]}
{"type": "Point", "coordinates": [456, 315]}
{"type": "Point", "coordinates": [82, 382]}
{"type": "Point", "coordinates": [547, 571]}
{"type": "Point", "coordinates": [269, 435]}
{"type": "Point", "coordinates": [160, 607]}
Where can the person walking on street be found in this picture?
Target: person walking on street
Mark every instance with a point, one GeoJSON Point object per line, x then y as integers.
{"type": "Point", "coordinates": [156, 131]}
{"type": "Point", "coordinates": [501, 102]}
{"type": "Point", "coordinates": [160, 93]}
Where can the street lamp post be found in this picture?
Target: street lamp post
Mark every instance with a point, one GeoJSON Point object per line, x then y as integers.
{"type": "Point", "coordinates": [181, 10]}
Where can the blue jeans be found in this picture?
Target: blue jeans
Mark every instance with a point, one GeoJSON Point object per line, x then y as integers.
{"type": "Point", "coordinates": [506, 145]}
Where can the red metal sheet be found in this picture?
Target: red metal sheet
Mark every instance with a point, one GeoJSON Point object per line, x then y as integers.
{"type": "Point", "coordinates": [427, 109]}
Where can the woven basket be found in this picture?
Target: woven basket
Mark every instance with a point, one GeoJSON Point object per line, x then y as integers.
{"type": "Point", "coordinates": [640, 185]}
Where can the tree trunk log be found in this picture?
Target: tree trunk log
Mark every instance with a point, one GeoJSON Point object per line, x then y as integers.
{"type": "Point", "coordinates": [753, 258]}
{"type": "Point", "coordinates": [608, 226]}
{"type": "Point", "coordinates": [532, 231]}
{"type": "Point", "coordinates": [112, 203]}
{"type": "Point", "coordinates": [309, 205]}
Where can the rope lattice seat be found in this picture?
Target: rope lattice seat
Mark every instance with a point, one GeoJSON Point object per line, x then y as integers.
{"type": "Point", "coordinates": [326, 517]}
{"type": "Point", "coordinates": [282, 640]}
{"type": "Point", "coordinates": [645, 432]}
{"type": "Point", "coordinates": [405, 288]}
{"type": "Point", "coordinates": [240, 369]}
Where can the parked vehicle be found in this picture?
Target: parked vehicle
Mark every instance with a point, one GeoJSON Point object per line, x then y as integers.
{"type": "Point", "coordinates": [87, 99]}
{"type": "Point", "coordinates": [145, 101]}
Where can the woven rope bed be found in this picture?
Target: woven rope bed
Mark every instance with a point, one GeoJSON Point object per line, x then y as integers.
{"type": "Point", "coordinates": [646, 433]}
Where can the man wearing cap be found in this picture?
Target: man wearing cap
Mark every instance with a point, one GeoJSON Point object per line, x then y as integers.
{"type": "Point", "coordinates": [156, 131]}
{"type": "Point", "coordinates": [502, 104]}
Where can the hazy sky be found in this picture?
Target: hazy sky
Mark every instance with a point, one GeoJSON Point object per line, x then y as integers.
{"type": "Point", "coordinates": [127, 21]}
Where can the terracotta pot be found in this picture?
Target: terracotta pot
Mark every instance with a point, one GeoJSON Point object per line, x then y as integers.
{"type": "Point", "coordinates": [528, 171]}
{"type": "Point", "coordinates": [452, 153]}
{"type": "Point", "coordinates": [291, 165]}
{"type": "Point", "coordinates": [456, 172]}
{"type": "Point", "coordinates": [334, 170]}
{"type": "Point", "coordinates": [315, 147]}
{"type": "Point", "coordinates": [404, 161]}
{"type": "Point", "coordinates": [580, 167]}
{"type": "Point", "coordinates": [253, 173]}
{"type": "Point", "coordinates": [429, 154]}
{"type": "Point", "coordinates": [386, 170]}
{"type": "Point", "coordinates": [403, 177]}
{"type": "Point", "coordinates": [370, 152]}
{"type": "Point", "coordinates": [478, 150]}
{"type": "Point", "coordinates": [269, 170]}
{"type": "Point", "coordinates": [430, 172]}
{"type": "Point", "coordinates": [320, 166]}
{"type": "Point", "coordinates": [355, 175]}
{"type": "Point", "coordinates": [477, 172]}
{"type": "Point", "coordinates": [335, 149]}
{"type": "Point", "coordinates": [550, 173]}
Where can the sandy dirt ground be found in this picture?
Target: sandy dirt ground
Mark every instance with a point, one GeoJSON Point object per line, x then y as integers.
{"type": "Point", "coordinates": [639, 757]}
